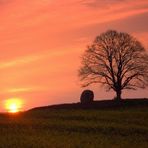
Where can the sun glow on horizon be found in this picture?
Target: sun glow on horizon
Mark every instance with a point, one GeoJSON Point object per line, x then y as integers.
{"type": "Point", "coordinates": [13, 105]}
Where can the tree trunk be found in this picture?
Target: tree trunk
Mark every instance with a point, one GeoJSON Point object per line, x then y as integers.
{"type": "Point", "coordinates": [118, 95]}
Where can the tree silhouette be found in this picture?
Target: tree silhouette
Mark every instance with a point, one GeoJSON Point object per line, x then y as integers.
{"type": "Point", "coordinates": [116, 60]}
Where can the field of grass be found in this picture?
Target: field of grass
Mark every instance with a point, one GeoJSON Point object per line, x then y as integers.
{"type": "Point", "coordinates": [76, 128]}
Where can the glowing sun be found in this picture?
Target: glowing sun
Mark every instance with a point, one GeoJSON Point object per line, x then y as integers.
{"type": "Point", "coordinates": [13, 105]}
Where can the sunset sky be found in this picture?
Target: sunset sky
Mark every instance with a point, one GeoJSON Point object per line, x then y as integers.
{"type": "Point", "coordinates": [41, 42]}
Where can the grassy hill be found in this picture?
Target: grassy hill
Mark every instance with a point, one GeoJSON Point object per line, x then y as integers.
{"type": "Point", "coordinates": [104, 104]}
{"type": "Point", "coordinates": [103, 124]}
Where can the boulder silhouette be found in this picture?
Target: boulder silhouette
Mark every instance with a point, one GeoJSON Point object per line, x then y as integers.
{"type": "Point", "coordinates": [87, 97]}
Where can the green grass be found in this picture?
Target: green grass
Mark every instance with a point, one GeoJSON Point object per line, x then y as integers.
{"type": "Point", "coordinates": [61, 128]}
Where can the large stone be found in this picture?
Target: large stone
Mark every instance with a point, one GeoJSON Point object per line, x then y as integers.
{"type": "Point", "coordinates": [87, 97]}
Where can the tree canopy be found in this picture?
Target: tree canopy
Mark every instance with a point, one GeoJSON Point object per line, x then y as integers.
{"type": "Point", "coordinates": [116, 60]}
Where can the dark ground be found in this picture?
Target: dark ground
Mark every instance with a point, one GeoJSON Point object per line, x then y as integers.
{"type": "Point", "coordinates": [102, 124]}
{"type": "Point", "coordinates": [104, 104]}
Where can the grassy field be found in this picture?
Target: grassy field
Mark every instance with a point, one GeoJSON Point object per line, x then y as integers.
{"type": "Point", "coordinates": [76, 128]}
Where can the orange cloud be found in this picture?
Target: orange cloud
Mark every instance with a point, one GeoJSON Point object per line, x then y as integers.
{"type": "Point", "coordinates": [42, 40]}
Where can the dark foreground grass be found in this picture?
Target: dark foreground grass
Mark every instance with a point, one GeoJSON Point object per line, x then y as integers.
{"type": "Point", "coordinates": [76, 128]}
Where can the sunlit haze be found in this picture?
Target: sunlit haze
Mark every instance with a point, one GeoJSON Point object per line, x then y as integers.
{"type": "Point", "coordinates": [13, 105]}
{"type": "Point", "coordinates": [41, 43]}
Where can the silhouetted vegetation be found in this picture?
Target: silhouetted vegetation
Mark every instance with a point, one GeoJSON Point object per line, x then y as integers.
{"type": "Point", "coordinates": [116, 60]}
{"type": "Point", "coordinates": [50, 127]}
{"type": "Point", "coordinates": [87, 97]}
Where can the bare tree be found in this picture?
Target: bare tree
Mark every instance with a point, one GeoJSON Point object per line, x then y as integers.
{"type": "Point", "coordinates": [116, 60]}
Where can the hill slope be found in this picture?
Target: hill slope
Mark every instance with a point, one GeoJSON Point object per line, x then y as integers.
{"type": "Point", "coordinates": [115, 125]}
{"type": "Point", "coordinates": [105, 104]}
